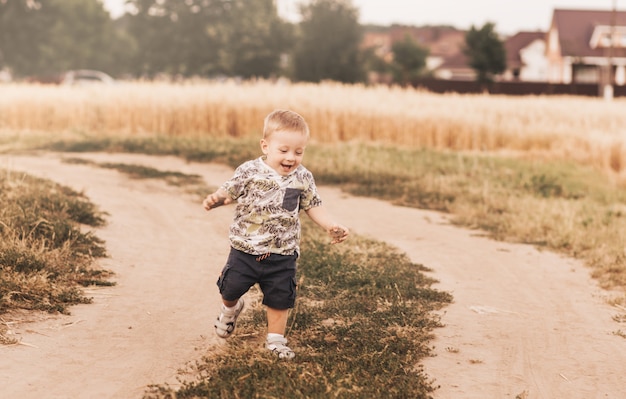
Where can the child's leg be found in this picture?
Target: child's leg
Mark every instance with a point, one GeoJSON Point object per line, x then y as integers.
{"type": "Point", "coordinates": [279, 294]}
{"type": "Point", "coordinates": [276, 326]}
{"type": "Point", "coordinates": [277, 320]}
{"type": "Point", "coordinates": [236, 278]}
{"type": "Point", "coordinates": [229, 304]}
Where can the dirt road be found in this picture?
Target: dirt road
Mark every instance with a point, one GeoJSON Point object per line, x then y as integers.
{"type": "Point", "coordinates": [524, 323]}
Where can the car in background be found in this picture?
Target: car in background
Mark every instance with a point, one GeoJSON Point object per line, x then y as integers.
{"type": "Point", "coordinates": [5, 76]}
{"type": "Point", "coordinates": [85, 77]}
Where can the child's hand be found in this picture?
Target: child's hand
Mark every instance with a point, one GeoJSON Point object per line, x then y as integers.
{"type": "Point", "coordinates": [214, 200]}
{"type": "Point", "coordinates": [338, 233]}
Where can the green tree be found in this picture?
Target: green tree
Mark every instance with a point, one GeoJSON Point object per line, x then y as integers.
{"type": "Point", "coordinates": [20, 30]}
{"type": "Point", "coordinates": [48, 37]}
{"type": "Point", "coordinates": [328, 43]}
{"type": "Point", "coordinates": [372, 62]}
{"type": "Point", "coordinates": [409, 60]}
{"type": "Point", "coordinates": [255, 38]}
{"type": "Point", "coordinates": [208, 37]}
{"type": "Point", "coordinates": [173, 37]}
{"type": "Point", "coordinates": [486, 52]}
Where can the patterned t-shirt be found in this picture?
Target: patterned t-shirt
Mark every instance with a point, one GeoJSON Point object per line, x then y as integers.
{"type": "Point", "coordinates": [266, 218]}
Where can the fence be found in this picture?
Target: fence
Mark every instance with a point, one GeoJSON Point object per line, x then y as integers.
{"type": "Point", "coordinates": [515, 88]}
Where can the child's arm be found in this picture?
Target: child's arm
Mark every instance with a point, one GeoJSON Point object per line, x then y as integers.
{"type": "Point", "coordinates": [321, 217]}
{"type": "Point", "coordinates": [218, 198]}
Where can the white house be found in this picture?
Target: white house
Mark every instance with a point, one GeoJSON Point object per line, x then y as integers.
{"type": "Point", "coordinates": [526, 57]}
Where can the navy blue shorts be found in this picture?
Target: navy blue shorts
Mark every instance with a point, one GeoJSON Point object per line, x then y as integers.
{"type": "Point", "coordinates": [275, 274]}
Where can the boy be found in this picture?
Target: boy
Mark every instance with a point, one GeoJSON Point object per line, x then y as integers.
{"type": "Point", "coordinates": [265, 233]}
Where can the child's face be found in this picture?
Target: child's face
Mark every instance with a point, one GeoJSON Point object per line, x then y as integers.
{"type": "Point", "coordinates": [284, 151]}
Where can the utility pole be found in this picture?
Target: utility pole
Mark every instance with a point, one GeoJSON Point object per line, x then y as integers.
{"type": "Point", "coordinates": [608, 87]}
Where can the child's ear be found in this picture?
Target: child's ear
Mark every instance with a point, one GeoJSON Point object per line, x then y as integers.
{"type": "Point", "coordinates": [264, 146]}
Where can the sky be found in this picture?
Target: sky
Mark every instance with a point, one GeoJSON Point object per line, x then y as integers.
{"type": "Point", "coordinates": [509, 17]}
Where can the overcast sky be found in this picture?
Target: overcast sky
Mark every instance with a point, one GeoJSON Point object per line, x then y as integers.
{"type": "Point", "coordinates": [509, 16]}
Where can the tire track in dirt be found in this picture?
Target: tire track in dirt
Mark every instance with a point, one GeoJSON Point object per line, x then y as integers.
{"type": "Point", "coordinates": [523, 322]}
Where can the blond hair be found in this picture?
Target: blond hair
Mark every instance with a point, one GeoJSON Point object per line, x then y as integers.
{"type": "Point", "coordinates": [284, 120]}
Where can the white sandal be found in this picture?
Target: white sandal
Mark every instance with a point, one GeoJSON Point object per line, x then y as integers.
{"type": "Point", "coordinates": [280, 348]}
{"type": "Point", "coordinates": [226, 322]}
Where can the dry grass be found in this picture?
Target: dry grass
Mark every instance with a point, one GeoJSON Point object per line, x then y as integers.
{"type": "Point", "coordinates": [45, 254]}
{"type": "Point", "coordinates": [360, 330]}
{"type": "Point", "coordinates": [586, 130]}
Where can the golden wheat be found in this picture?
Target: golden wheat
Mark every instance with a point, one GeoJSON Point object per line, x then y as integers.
{"type": "Point", "coordinates": [586, 130]}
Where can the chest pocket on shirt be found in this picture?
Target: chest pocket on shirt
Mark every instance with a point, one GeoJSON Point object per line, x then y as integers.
{"type": "Point", "coordinates": [291, 199]}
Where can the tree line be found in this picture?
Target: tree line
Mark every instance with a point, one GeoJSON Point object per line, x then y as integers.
{"type": "Point", "coordinates": [211, 38]}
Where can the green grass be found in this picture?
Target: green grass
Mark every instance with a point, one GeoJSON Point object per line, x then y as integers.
{"type": "Point", "coordinates": [560, 206]}
{"type": "Point", "coordinates": [172, 178]}
{"type": "Point", "coordinates": [229, 151]}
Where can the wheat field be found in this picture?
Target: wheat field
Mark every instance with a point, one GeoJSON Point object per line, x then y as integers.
{"type": "Point", "coordinates": [586, 130]}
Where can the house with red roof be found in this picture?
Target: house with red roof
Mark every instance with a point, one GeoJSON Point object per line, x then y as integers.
{"type": "Point", "coordinates": [581, 44]}
{"type": "Point", "coordinates": [444, 43]}
{"type": "Point", "coordinates": [578, 48]}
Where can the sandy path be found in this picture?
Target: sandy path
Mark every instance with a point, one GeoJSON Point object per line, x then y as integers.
{"type": "Point", "coordinates": [165, 252]}
{"type": "Point", "coordinates": [524, 322]}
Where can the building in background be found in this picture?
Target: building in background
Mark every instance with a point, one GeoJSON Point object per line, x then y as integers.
{"type": "Point", "coordinates": [581, 44]}
{"type": "Point", "coordinates": [444, 44]}
{"type": "Point", "coordinates": [578, 48]}
{"type": "Point", "coordinates": [526, 59]}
